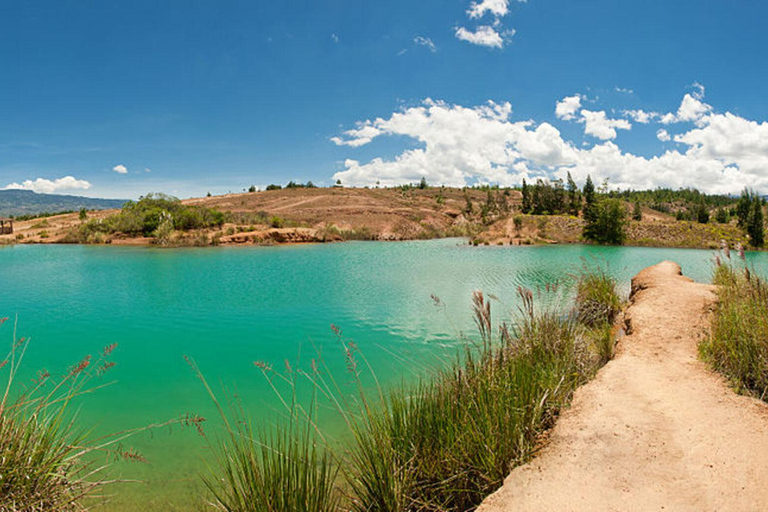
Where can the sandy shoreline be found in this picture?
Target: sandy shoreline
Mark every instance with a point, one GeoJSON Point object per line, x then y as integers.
{"type": "Point", "coordinates": [656, 429]}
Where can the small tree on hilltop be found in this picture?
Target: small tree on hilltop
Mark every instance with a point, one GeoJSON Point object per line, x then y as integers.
{"type": "Point", "coordinates": [423, 183]}
{"type": "Point", "coordinates": [755, 228]}
{"type": "Point", "coordinates": [606, 222]}
{"type": "Point", "coordinates": [589, 198]}
{"type": "Point", "coordinates": [721, 216]}
{"type": "Point", "coordinates": [744, 207]}
{"type": "Point", "coordinates": [702, 214]}
{"type": "Point", "coordinates": [526, 207]}
{"type": "Point", "coordinates": [574, 197]}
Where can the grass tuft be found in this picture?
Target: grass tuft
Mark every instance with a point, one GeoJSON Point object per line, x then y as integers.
{"type": "Point", "coordinates": [738, 342]}
{"type": "Point", "coordinates": [284, 469]}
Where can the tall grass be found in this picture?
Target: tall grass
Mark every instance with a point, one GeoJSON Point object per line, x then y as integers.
{"type": "Point", "coordinates": [43, 463]}
{"type": "Point", "coordinates": [283, 469]}
{"type": "Point", "coordinates": [738, 342]}
{"type": "Point", "coordinates": [447, 442]}
{"type": "Point", "coordinates": [48, 462]}
{"type": "Point", "coordinates": [442, 443]}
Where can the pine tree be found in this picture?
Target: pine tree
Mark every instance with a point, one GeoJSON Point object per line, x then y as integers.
{"type": "Point", "coordinates": [743, 207]}
{"type": "Point", "coordinates": [637, 212]}
{"type": "Point", "coordinates": [755, 223]}
{"type": "Point", "coordinates": [526, 207]}
{"type": "Point", "coordinates": [721, 215]}
{"type": "Point", "coordinates": [574, 197]}
{"type": "Point", "coordinates": [589, 198]}
{"type": "Point", "coordinates": [606, 222]}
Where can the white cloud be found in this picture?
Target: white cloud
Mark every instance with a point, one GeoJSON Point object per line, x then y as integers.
{"type": "Point", "coordinates": [425, 41]}
{"type": "Point", "coordinates": [484, 35]}
{"type": "Point", "coordinates": [599, 125]}
{"type": "Point", "coordinates": [147, 169]}
{"type": "Point", "coordinates": [567, 107]}
{"type": "Point", "coordinates": [363, 134]}
{"type": "Point", "coordinates": [44, 186]}
{"type": "Point", "coordinates": [663, 135]}
{"type": "Point", "coordinates": [623, 90]}
{"type": "Point", "coordinates": [120, 169]}
{"type": "Point", "coordinates": [460, 145]}
{"type": "Point", "coordinates": [641, 116]}
{"type": "Point", "coordinates": [497, 8]}
{"type": "Point", "coordinates": [334, 38]}
{"type": "Point", "coordinates": [692, 109]}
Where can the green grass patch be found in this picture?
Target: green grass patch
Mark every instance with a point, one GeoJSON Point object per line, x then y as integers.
{"type": "Point", "coordinates": [738, 342]}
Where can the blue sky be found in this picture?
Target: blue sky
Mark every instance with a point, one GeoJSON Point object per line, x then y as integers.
{"type": "Point", "coordinates": [191, 97]}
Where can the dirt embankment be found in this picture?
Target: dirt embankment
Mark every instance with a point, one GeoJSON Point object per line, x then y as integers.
{"type": "Point", "coordinates": [656, 429]}
{"type": "Point", "coordinates": [301, 215]}
{"type": "Point", "coordinates": [306, 215]}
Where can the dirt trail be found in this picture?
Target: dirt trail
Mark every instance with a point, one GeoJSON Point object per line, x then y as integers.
{"type": "Point", "coordinates": [655, 430]}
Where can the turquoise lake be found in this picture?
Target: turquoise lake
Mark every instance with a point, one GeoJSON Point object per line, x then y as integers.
{"type": "Point", "coordinates": [229, 307]}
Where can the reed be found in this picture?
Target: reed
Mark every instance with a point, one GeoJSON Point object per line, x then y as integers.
{"type": "Point", "coordinates": [282, 469]}
{"type": "Point", "coordinates": [738, 342]}
{"type": "Point", "coordinates": [43, 455]}
{"type": "Point", "coordinates": [447, 442]}
{"type": "Point", "coordinates": [441, 443]}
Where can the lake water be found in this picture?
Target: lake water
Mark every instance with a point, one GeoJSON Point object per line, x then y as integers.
{"type": "Point", "coordinates": [229, 307]}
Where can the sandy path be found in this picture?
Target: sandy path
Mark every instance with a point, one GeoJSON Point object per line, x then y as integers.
{"type": "Point", "coordinates": [656, 430]}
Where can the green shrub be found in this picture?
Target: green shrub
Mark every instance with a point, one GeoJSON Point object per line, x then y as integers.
{"type": "Point", "coordinates": [597, 300]}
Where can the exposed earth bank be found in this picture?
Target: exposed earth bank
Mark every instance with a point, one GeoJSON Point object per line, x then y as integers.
{"type": "Point", "coordinates": [313, 215]}
{"type": "Point", "coordinates": [656, 429]}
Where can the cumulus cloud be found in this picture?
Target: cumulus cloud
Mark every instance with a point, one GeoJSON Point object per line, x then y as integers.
{"type": "Point", "coordinates": [692, 108]}
{"type": "Point", "coordinates": [497, 8]}
{"type": "Point", "coordinates": [568, 107]}
{"type": "Point", "coordinates": [457, 145]}
{"type": "Point", "coordinates": [484, 35]}
{"type": "Point", "coordinates": [597, 124]}
{"type": "Point", "coordinates": [663, 135]}
{"type": "Point", "coordinates": [426, 42]}
{"type": "Point", "coordinates": [45, 186]}
{"type": "Point", "coordinates": [491, 36]}
{"type": "Point", "coordinates": [120, 169]}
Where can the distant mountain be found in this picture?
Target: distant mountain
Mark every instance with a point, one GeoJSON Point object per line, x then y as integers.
{"type": "Point", "coordinates": [26, 202]}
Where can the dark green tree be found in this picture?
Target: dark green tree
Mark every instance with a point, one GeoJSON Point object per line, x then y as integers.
{"type": "Point", "coordinates": [574, 197]}
{"type": "Point", "coordinates": [606, 222]}
{"type": "Point", "coordinates": [589, 197]}
{"type": "Point", "coordinates": [526, 207]}
{"type": "Point", "coordinates": [637, 211]}
{"type": "Point", "coordinates": [702, 214]}
{"type": "Point", "coordinates": [721, 215]}
{"type": "Point", "coordinates": [423, 183]}
{"type": "Point", "coordinates": [755, 228]}
{"type": "Point", "coordinates": [252, 188]}
{"type": "Point", "coordinates": [744, 207]}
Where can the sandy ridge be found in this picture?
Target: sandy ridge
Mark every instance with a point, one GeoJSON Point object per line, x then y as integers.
{"type": "Point", "coordinates": [655, 430]}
